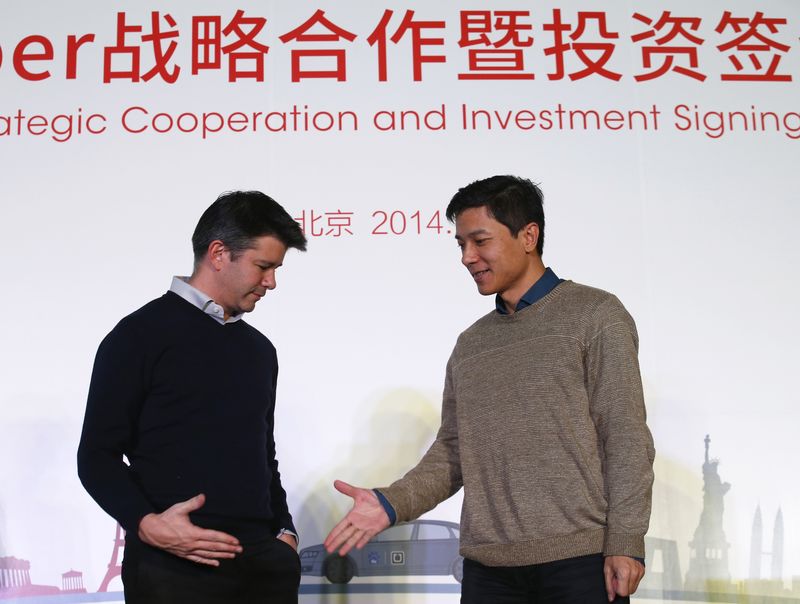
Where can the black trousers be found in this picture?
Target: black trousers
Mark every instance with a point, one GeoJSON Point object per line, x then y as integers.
{"type": "Point", "coordinates": [267, 572]}
{"type": "Point", "coordinates": [572, 581]}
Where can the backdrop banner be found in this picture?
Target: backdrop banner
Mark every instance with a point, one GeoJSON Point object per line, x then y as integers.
{"type": "Point", "coordinates": [665, 136]}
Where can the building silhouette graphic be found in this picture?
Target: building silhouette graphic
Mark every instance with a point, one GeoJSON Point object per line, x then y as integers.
{"type": "Point", "coordinates": [777, 547]}
{"type": "Point", "coordinates": [707, 579]}
{"type": "Point", "coordinates": [72, 582]}
{"type": "Point", "coordinates": [15, 580]}
{"type": "Point", "coordinates": [708, 563]}
{"type": "Point", "coordinates": [757, 552]}
{"type": "Point", "coordinates": [663, 574]}
{"type": "Point", "coordinates": [114, 566]}
{"type": "Point", "coordinates": [756, 545]}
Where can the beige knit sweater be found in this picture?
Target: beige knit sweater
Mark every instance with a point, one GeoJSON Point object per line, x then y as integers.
{"type": "Point", "coordinates": [543, 424]}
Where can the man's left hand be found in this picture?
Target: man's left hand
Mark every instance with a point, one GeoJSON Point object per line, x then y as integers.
{"type": "Point", "coordinates": [622, 575]}
{"type": "Point", "coordinates": [288, 539]}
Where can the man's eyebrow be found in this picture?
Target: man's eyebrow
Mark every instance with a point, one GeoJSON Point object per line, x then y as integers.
{"type": "Point", "coordinates": [474, 233]}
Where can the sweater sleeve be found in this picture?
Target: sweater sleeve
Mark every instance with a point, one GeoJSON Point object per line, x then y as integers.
{"type": "Point", "coordinates": [617, 407]}
{"type": "Point", "coordinates": [282, 519]}
{"type": "Point", "coordinates": [437, 476]}
{"type": "Point", "coordinates": [115, 397]}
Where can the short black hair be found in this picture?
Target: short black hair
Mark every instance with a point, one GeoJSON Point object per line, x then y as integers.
{"type": "Point", "coordinates": [511, 200]}
{"type": "Point", "coordinates": [237, 218]}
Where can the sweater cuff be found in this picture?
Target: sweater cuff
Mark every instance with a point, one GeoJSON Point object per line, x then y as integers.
{"type": "Point", "coordinates": [639, 560]}
{"type": "Point", "coordinates": [387, 507]}
{"type": "Point", "coordinates": [131, 519]}
{"type": "Point", "coordinates": [623, 544]}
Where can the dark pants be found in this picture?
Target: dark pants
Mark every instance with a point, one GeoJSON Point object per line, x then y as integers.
{"type": "Point", "coordinates": [571, 581]}
{"type": "Point", "coordinates": [264, 573]}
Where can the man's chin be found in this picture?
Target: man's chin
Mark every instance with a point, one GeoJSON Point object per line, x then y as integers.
{"type": "Point", "coordinates": [243, 309]}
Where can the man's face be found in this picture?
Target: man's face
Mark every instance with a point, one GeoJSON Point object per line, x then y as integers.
{"type": "Point", "coordinates": [244, 281]}
{"type": "Point", "coordinates": [498, 261]}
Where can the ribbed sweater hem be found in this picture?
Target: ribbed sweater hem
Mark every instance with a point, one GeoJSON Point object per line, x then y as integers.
{"type": "Point", "coordinates": [537, 551]}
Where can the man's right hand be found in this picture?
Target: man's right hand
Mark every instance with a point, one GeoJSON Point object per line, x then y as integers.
{"type": "Point", "coordinates": [173, 531]}
{"type": "Point", "coordinates": [366, 519]}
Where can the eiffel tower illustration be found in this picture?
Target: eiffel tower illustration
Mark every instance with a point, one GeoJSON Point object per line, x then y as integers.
{"type": "Point", "coordinates": [114, 567]}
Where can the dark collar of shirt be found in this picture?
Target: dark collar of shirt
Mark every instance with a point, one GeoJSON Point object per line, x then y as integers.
{"type": "Point", "coordinates": [539, 290]}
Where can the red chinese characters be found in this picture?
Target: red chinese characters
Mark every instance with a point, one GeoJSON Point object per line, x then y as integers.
{"type": "Point", "coordinates": [488, 44]}
{"type": "Point", "coordinates": [333, 33]}
{"type": "Point", "coordinates": [337, 224]}
{"type": "Point", "coordinates": [500, 58]}
{"type": "Point", "coordinates": [662, 55]}
{"type": "Point", "coordinates": [379, 37]}
{"type": "Point", "coordinates": [131, 54]}
{"type": "Point", "coordinates": [245, 53]}
{"type": "Point", "coordinates": [309, 224]}
{"type": "Point", "coordinates": [594, 55]}
{"type": "Point", "coordinates": [752, 45]}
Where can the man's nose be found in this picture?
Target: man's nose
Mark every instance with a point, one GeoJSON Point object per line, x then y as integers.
{"type": "Point", "coordinates": [468, 255]}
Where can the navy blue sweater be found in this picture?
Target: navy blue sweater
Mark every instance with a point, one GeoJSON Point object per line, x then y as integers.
{"type": "Point", "coordinates": [190, 402]}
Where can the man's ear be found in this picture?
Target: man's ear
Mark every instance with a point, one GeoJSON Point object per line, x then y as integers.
{"type": "Point", "coordinates": [215, 254]}
{"type": "Point", "coordinates": [530, 235]}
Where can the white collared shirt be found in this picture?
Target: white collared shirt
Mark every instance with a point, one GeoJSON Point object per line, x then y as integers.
{"type": "Point", "coordinates": [181, 287]}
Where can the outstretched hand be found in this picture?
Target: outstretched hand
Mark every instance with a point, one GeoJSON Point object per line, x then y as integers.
{"type": "Point", "coordinates": [622, 575]}
{"type": "Point", "coordinates": [366, 519]}
{"type": "Point", "coordinates": [173, 531]}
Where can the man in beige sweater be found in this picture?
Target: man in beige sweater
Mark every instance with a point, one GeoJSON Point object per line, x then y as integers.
{"type": "Point", "coordinates": [543, 424]}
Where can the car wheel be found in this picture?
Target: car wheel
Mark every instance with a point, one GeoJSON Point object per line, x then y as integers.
{"type": "Point", "coordinates": [458, 569]}
{"type": "Point", "coordinates": [339, 569]}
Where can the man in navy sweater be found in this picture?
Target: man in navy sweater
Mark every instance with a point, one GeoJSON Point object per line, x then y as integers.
{"type": "Point", "coordinates": [185, 390]}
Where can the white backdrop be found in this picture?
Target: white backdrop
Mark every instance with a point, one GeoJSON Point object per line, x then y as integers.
{"type": "Point", "coordinates": [689, 224]}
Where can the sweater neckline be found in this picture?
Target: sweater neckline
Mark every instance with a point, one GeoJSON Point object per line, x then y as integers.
{"type": "Point", "coordinates": [538, 305]}
{"type": "Point", "coordinates": [197, 312]}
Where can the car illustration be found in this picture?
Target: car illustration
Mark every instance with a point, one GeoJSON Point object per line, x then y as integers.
{"type": "Point", "coordinates": [421, 547]}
